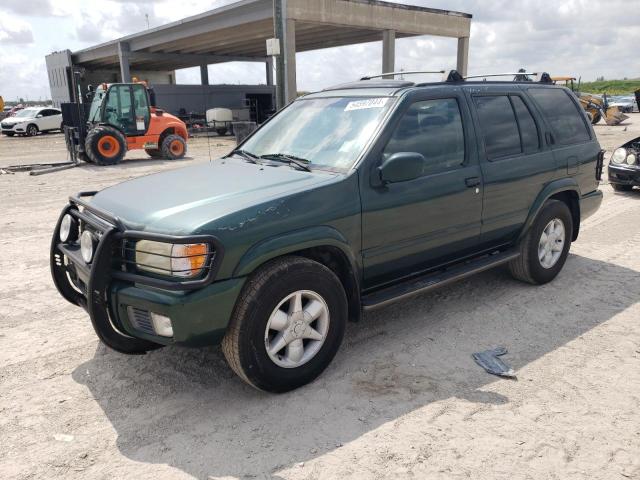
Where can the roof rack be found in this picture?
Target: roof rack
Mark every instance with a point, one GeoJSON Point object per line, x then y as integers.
{"type": "Point", "coordinates": [415, 72]}
{"type": "Point", "coordinates": [519, 76]}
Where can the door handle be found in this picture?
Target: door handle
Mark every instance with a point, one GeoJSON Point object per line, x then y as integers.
{"type": "Point", "coordinates": [472, 182]}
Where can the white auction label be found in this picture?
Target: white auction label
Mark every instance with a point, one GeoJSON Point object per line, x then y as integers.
{"type": "Point", "coordinates": [368, 103]}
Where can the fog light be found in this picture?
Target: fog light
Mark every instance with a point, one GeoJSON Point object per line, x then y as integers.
{"type": "Point", "coordinates": [68, 229]}
{"type": "Point", "coordinates": [86, 246]}
{"type": "Point", "coordinates": [162, 325]}
{"type": "Point", "coordinates": [631, 159]}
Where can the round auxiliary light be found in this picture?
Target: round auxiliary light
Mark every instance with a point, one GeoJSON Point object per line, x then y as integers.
{"type": "Point", "coordinates": [631, 159]}
{"type": "Point", "coordinates": [619, 156]}
{"type": "Point", "coordinates": [68, 229]}
{"type": "Point", "coordinates": [86, 246]}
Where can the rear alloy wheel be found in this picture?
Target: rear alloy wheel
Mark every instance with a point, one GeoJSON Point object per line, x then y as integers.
{"type": "Point", "coordinates": [544, 249]}
{"type": "Point", "coordinates": [173, 147]}
{"type": "Point", "coordinates": [105, 145]}
{"type": "Point", "coordinates": [32, 130]}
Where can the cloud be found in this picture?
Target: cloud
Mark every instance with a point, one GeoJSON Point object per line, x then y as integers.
{"type": "Point", "coordinates": [15, 32]}
{"type": "Point", "coordinates": [31, 8]}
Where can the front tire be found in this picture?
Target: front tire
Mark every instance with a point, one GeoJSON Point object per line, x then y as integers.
{"type": "Point", "coordinates": [544, 249]}
{"type": "Point", "coordinates": [105, 145]}
{"type": "Point", "coordinates": [287, 325]}
{"type": "Point", "coordinates": [32, 130]}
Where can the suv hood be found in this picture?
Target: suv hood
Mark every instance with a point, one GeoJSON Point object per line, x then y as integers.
{"type": "Point", "coordinates": [15, 120]}
{"type": "Point", "coordinates": [181, 201]}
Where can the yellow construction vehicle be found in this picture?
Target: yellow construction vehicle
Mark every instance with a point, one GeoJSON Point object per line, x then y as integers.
{"type": "Point", "coordinates": [596, 108]}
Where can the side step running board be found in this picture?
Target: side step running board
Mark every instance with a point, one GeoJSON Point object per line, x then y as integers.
{"type": "Point", "coordinates": [424, 283]}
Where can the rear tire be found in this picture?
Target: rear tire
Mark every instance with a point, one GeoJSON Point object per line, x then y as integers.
{"type": "Point", "coordinates": [268, 313]}
{"type": "Point", "coordinates": [529, 266]}
{"type": "Point", "coordinates": [32, 130]}
{"type": "Point", "coordinates": [105, 145]}
{"type": "Point", "coordinates": [173, 147]}
{"type": "Point", "coordinates": [621, 188]}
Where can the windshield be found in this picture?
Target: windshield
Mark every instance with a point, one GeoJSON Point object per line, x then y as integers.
{"type": "Point", "coordinates": [94, 111]}
{"type": "Point", "coordinates": [27, 112]}
{"type": "Point", "coordinates": [331, 132]}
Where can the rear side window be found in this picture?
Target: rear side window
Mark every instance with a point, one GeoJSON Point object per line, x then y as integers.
{"type": "Point", "coordinates": [527, 125]}
{"type": "Point", "coordinates": [499, 127]}
{"type": "Point", "coordinates": [563, 114]}
{"type": "Point", "coordinates": [434, 129]}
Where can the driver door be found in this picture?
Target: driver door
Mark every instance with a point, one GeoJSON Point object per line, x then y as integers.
{"type": "Point", "coordinates": [418, 224]}
{"type": "Point", "coordinates": [127, 108]}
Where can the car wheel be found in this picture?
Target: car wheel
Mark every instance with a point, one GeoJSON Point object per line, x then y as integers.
{"type": "Point", "coordinates": [287, 325]}
{"type": "Point", "coordinates": [173, 147]}
{"type": "Point", "coordinates": [105, 145]}
{"type": "Point", "coordinates": [545, 248]}
{"type": "Point", "coordinates": [621, 188]}
{"type": "Point", "coordinates": [32, 130]}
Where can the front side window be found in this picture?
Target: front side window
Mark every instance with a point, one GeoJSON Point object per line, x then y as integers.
{"type": "Point", "coordinates": [434, 129]}
{"type": "Point", "coordinates": [498, 125]}
{"type": "Point", "coordinates": [329, 132]}
{"type": "Point", "coordinates": [567, 121]}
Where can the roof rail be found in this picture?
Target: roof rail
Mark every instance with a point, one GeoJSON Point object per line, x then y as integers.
{"type": "Point", "coordinates": [388, 74]}
{"type": "Point", "coordinates": [520, 76]}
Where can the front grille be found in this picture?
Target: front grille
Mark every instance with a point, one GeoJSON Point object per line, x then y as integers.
{"type": "Point", "coordinates": [6, 126]}
{"type": "Point", "coordinates": [141, 320]}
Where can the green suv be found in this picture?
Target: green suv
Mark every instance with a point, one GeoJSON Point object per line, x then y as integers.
{"type": "Point", "coordinates": [346, 200]}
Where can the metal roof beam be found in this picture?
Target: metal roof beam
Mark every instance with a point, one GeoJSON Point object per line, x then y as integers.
{"type": "Point", "coordinates": [189, 58]}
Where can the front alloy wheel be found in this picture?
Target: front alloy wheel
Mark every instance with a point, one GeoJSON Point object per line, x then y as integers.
{"type": "Point", "coordinates": [297, 329]}
{"type": "Point", "coordinates": [287, 325]}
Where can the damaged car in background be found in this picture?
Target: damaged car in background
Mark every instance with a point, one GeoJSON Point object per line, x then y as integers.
{"type": "Point", "coordinates": [624, 171]}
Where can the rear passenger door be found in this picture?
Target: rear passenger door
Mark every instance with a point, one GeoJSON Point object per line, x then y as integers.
{"type": "Point", "coordinates": [515, 163]}
{"type": "Point", "coordinates": [570, 135]}
{"type": "Point", "coordinates": [416, 224]}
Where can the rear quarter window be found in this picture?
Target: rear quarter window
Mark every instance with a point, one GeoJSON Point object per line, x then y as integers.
{"type": "Point", "coordinates": [562, 113]}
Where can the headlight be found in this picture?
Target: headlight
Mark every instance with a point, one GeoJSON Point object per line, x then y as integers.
{"type": "Point", "coordinates": [619, 155]}
{"type": "Point", "coordinates": [631, 159]}
{"type": "Point", "coordinates": [178, 260]}
{"type": "Point", "coordinates": [68, 229]}
{"type": "Point", "coordinates": [87, 243]}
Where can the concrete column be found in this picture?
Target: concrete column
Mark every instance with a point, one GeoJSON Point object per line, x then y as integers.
{"type": "Point", "coordinates": [291, 89]}
{"type": "Point", "coordinates": [463, 55]}
{"type": "Point", "coordinates": [269, 70]}
{"type": "Point", "coordinates": [204, 74]}
{"type": "Point", "coordinates": [123, 56]}
{"type": "Point", "coordinates": [388, 51]}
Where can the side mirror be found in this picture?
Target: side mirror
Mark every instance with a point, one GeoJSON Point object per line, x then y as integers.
{"type": "Point", "coordinates": [39, 115]}
{"type": "Point", "coordinates": [159, 112]}
{"type": "Point", "coordinates": [402, 167]}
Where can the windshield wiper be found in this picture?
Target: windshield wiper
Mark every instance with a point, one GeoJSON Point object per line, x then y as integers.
{"type": "Point", "coordinates": [301, 163]}
{"type": "Point", "coordinates": [252, 157]}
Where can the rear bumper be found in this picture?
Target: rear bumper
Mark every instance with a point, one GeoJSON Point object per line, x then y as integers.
{"type": "Point", "coordinates": [624, 175]}
{"type": "Point", "coordinates": [117, 299]}
{"type": "Point", "coordinates": [589, 204]}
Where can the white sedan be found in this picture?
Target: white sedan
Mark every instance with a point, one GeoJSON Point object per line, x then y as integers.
{"type": "Point", "coordinates": [32, 120]}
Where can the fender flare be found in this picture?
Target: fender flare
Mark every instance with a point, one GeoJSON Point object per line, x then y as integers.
{"type": "Point", "coordinates": [551, 189]}
{"type": "Point", "coordinates": [290, 242]}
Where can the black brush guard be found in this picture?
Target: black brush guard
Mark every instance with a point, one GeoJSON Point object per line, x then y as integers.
{"type": "Point", "coordinates": [88, 285]}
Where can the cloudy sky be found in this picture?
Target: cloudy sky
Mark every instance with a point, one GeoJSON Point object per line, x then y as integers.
{"type": "Point", "coordinates": [588, 38]}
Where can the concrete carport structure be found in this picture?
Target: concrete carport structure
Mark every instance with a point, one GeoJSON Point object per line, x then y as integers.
{"type": "Point", "coordinates": [238, 32]}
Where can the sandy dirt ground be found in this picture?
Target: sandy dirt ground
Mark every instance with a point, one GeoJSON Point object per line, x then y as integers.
{"type": "Point", "coordinates": [402, 399]}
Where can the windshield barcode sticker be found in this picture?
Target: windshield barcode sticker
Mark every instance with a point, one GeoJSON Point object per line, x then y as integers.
{"type": "Point", "coordinates": [368, 103]}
